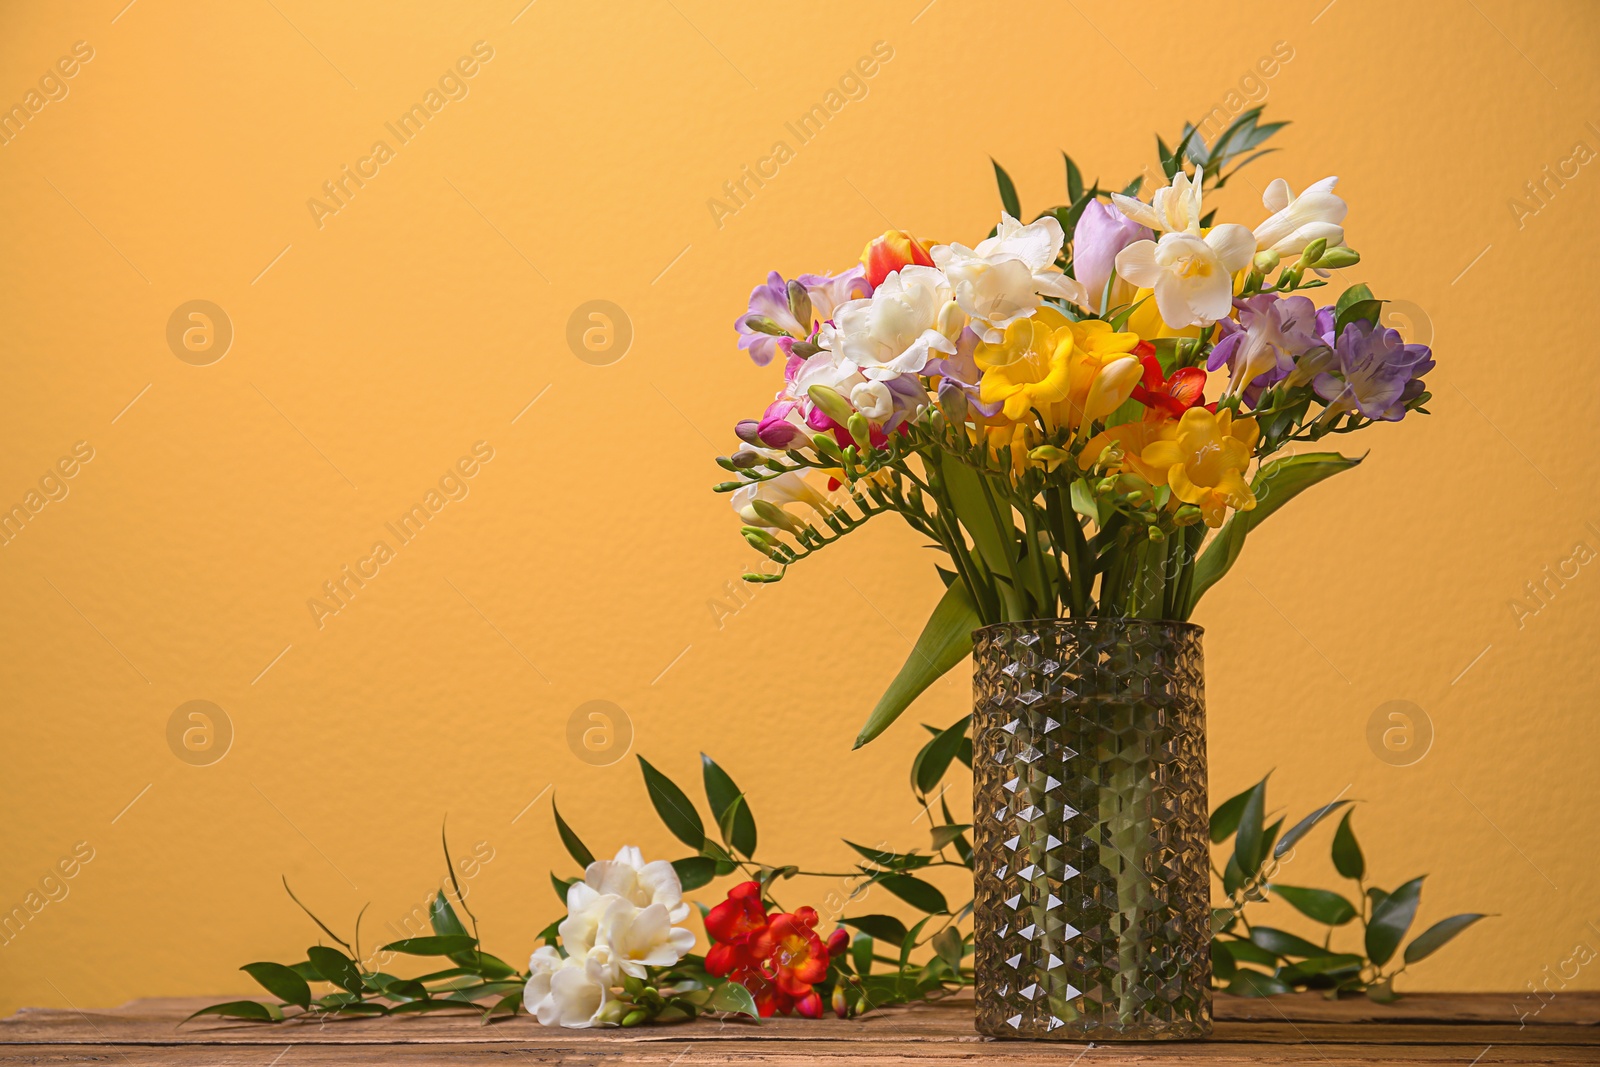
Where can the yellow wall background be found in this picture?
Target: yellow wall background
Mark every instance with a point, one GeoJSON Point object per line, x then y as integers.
{"type": "Point", "coordinates": [372, 351]}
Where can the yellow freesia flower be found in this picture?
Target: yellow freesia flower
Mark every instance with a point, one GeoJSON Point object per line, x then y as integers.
{"type": "Point", "coordinates": [1071, 372]}
{"type": "Point", "coordinates": [1204, 456]}
{"type": "Point", "coordinates": [1131, 439]}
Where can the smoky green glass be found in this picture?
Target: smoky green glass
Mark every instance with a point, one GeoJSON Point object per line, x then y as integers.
{"type": "Point", "coordinates": [1090, 829]}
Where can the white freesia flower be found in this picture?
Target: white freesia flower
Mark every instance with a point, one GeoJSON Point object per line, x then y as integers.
{"type": "Point", "coordinates": [1174, 209]}
{"type": "Point", "coordinates": [1296, 221]}
{"type": "Point", "coordinates": [636, 938]}
{"type": "Point", "coordinates": [642, 883]}
{"type": "Point", "coordinates": [571, 992]}
{"type": "Point", "coordinates": [1192, 276]}
{"type": "Point", "coordinates": [786, 488]}
{"type": "Point", "coordinates": [621, 920]}
{"type": "Point", "coordinates": [894, 331]}
{"type": "Point", "coordinates": [873, 400]}
{"type": "Point", "coordinates": [1006, 276]}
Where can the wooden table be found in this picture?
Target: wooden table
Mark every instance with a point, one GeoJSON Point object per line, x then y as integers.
{"type": "Point", "coordinates": [1457, 1029]}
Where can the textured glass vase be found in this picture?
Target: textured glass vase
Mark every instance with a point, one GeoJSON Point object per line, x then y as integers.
{"type": "Point", "coordinates": [1090, 827]}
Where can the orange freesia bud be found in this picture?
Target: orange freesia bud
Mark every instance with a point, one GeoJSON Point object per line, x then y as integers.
{"type": "Point", "coordinates": [887, 254]}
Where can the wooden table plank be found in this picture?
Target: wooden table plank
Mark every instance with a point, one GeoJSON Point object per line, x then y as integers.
{"type": "Point", "coordinates": [1421, 1028]}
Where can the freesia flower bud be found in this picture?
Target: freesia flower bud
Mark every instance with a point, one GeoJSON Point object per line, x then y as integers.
{"type": "Point", "coordinates": [841, 1002]}
{"type": "Point", "coordinates": [1339, 256]}
{"type": "Point", "coordinates": [762, 324]}
{"type": "Point", "coordinates": [952, 320]}
{"type": "Point", "coordinates": [1266, 262]}
{"type": "Point", "coordinates": [827, 448]}
{"type": "Point", "coordinates": [1314, 250]}
{"type": "Point", "coordinates": [832, 404]}
{"type": "Point", "coordinates": [859, 429]}
{"type": "Point", "coordinates": [1187, 515]}
{"type": "Point", "coordinates": [887, 254]}
{"type": "Point", "coordinates": [800, 305]}
{"type": "Point", "coordinates": [747, 430]}
{"type": "Point", "coordinates": [953, 401]}
{"type": "Point", "coordinates": [775, 516]}
{"type": "Point", "coordinates": [1049, 456]}
{"type": "Point", "coordinates": [744, 458]}
{"type": "Point", "coordinates": [635, 1017]}
{"type": "Point", "coordinates": [838, 941]}
{"type": "Point", "coordinates": [1157, 535]}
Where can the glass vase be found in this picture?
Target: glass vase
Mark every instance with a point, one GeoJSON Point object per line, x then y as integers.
{"type": "Point", "coordinates": [1090, 829]}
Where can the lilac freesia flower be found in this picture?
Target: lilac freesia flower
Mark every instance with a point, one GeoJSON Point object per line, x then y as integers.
{"type": "Point", "coordinates": [1101, 233]}
{"type": "Point", "coordinates": [1371, 370]}
{"type": "Point", "coordinates": [1263, 346]}
{"type": "Point", "coordinates": [771, 301]}
{"type": "Point", "coordinates": [961, 372]}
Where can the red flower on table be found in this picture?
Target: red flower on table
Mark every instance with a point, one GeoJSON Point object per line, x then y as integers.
{"type": "Point", "coordinates": [779, 958]}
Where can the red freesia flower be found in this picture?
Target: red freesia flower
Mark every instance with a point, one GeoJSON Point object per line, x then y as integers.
{"type": "Point", "coordinates": [1172, 396]}
{"type": "Point", "coordinates": [779, 958]}
{"type": "Point", "coordinates": [887, 254]}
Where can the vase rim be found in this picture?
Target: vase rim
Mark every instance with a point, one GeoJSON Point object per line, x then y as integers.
{"type": "Point", "coordinates": [1171, 625]}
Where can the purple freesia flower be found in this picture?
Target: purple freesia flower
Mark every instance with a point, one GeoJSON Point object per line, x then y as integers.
{"type": "Point", "coordinates": [1263, 346]}
{"type": "Point", "coordinates": [1101, 233]}
{"type": "Point", "coordinates": [961, 372]}
{"type": "Point", "coordinates": [1371, 370]}
{"type": "Point", "coordinates": [771, 301]}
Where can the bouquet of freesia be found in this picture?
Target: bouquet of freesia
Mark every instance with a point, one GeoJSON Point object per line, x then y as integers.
{"type": "Point", "coordinates": [1039, 407]}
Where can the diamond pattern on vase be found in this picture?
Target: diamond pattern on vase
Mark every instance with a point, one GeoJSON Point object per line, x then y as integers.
{"type": "Point", "coordinates": [1089, 767]}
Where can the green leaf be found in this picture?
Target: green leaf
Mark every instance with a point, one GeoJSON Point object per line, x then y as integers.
{"type": "Point", "coordinates": [1284, 944]}
{"type": "Point", "coordinates": [1250, 847]}
{"type": "Point", "coordinates": [1438, 935]}
{"type": "Point", "coordinates": [1008, 191]}
{"type": "Point", "coordinates": [1323, 905]}
{"type": "Point", "coordinates": [443, 917]}
{"type": "Point", "coordinates": [281, 982]}
{"type": "Point", "coordinates": [253, 1010]}
{"type": "Point", "coordinates": [947, 943]}
{"type": "Point", "coordinates": [575, 847]}
{"type": "Point", "coordinates": [1360, 311]}
{"type": "Point", "coordinates": [695, 871]}
{"type": "Point", "coordinates": [1274, 485]}
{"type": "Point", "coordinates": [945, 641]}
{"type": "Point", "coordinates": [1347, 858]}
{"type": "Point", "coordinates": [1074, 181]}
{"type": "Point", "coordinates": [674, 807]}
{"type": "Point", "coordinates": [1304, 826]}
{"type": "Point", "coordinates": [1246, 952]}
{"type": "Point", "coordinates": [484, 964]}
{"type": "Point", "coordinates": [437, 945]}
{"type": "Point", "coordinates": [1225, 820]}
{"type": "Point", "coordinates": [1255, 984]}
{"type": "Point", "coordinates": [894, 860]}
{"type": "Point", "coordinates": [916, 892]}
{"type": "Point", "coordinates": [732, 997]}
{"type": "Point", "coordinates": [1391, 918]}
{"type": "Point", "coordinates": [1232, 876]}
{"type": "Point", "coordinates": [335, 967]}
{"type": "Point", "coordinates": [1309, 968]}
{"type": "Point", "coordinates": [1382, 992]}
{"type": "Point", "coordinates": [561, 885]}
{"type": "Point", "coordinates": [944, 835]}
{"type": "Point", "coordinates": [911, 942]}
{"type": "Point", "coordinates": [935, 757]}
{"type": "Point", "coordinates": [883, 927]}
{"type": "Point", "coordinates": [1354, 295]}
{"type": "Point", "coordinates": [1222, 965]}
{"type": "Point", "coordinates": [724, 796]}
{"type": "Point", "coordinates": [861, 953]}
{"type": "Point", "coordinates": [992, 530]}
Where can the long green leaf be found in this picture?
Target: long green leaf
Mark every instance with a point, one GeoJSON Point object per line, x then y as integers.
{"type": "Point", "coordinates": [253, 1010]}
{"type": "Point", "coordinates": [1347, 858]}
{"type": "Point", "coordinates": [1436, 936]}
{"type": "Point", "coordinates": [1008, 191]}
{"type": "Point", "coordinates": [1304, 826]}
{"type": "Point", "coordinates": [916, 892]}
{"type": "Point", "coordinates": [281, 982]}
{"type": "Point", "coordinates": [1391, 918]}
{"type": "Point", "coordinates": [723, 794]}
{"type": "Point", "coordinates": [1274, 485]}
{"type": "Point", "coordinates": [436, 945]}
{"type": "Point", "coordinates": [935, 757]}
{"type": "Point", "coordinates": [335, 967]}
{"type": "Point", "coordinates": [575, 847]}
{"type": "Point", "coordinates": [1323, 905]}
{"type": "Point", "coordinates": [674, 807]}
{"type": "Point", "coordinates": [945, 641]}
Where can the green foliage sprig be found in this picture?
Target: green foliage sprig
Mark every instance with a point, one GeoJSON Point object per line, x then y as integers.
{"type": "Point", "coordinates": [1253, 960]}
